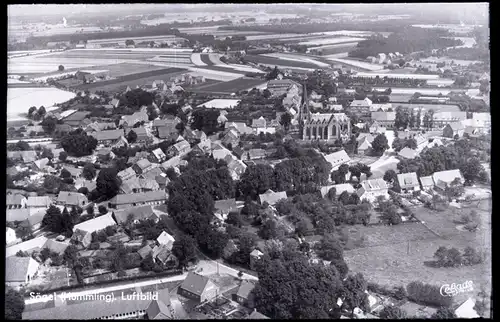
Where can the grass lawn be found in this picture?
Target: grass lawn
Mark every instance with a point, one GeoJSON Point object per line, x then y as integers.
{"type": "Point", "coordinates": [386, 259]}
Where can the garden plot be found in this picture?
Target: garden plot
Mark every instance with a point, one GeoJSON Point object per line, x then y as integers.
{"type": "Point", "coordinates": [31, 65]}
{"type": "Point", "coordinates": [230, 87]}
{"type": "Point", "coordinates": [266, 60]}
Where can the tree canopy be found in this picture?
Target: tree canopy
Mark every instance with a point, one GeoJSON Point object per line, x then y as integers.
{"type": "Point", "coordinates": [77, 143]}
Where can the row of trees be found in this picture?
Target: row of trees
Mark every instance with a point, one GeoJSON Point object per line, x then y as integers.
{"type": "Point", "coordinates": [452, 257]}
{"type": "Point", "coordinates": [304, 290]}
{"type": "Point", "coordinates": [460, 155]}
{"type": "Point", "coordinates": [406, 40]}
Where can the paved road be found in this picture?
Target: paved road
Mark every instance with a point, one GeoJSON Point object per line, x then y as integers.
{"type": "Point", "coordinates": [112, 288]}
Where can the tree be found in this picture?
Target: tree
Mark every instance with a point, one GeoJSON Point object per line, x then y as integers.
{"type": "Point", "coordinates": [266, 93]}
{"type": "Point", "coordinates": [129, 42]}
{"type": "Point", "coordinates": [285, 120]}
{"type": "Point", "coordinates": [184, 248]}
{"type": "Point", "coordinates": [83, 190]}
{"type": "Point", "coordinates": [108, 184]}
{"type": "Point", "coordinates": [444, 313]}
{"type": "Point", "coordinates": [49, 124]}
{"type": "Point", "coordinates": [256, 180]}
{"type": "Point", "coordinates": [354, 293]}
{"type": "Point", "coordinates": [52, 183]}
{"type": "Point", "coordinates": [47, 153]}
{"type": "Point", "coordinates": [481, 305]}
{"type": "Point", "coordinates": [63, 156]}
{"type": "Point", "coordinates": [402, 118]}
{"type": "Point", "coordinates": [411, 143]}
{"type": "Point", "coordinates": [131, 136]}
{"type": "Point", "coordinates": [471, 256]}
{"type": "Point", "coordinates": [78, 143]}
{"type": "Point", "coordinates": [471, 169]}
{"type": "Point", "coordinates": [212, 241]}
{"type": "Point", "coordinates": [304, 291]}
{"type": "Point", "coordinates": [390, 176]}
{"type": "Point", "coordinates": [61, 68]}
{"type": "Point", "coordinates": [14, 304]}
{"type": "Point", "coordinates": [392, 313]}
{"type": "Point", "coordinates": [103, 210]}
{"type": "Point", "coordinates": [273, 74]}
{"type": "Point", "coordinates": [440, 255]}
{"type": "Point", "coordinates": [380, 144]}
{"type": "Point", "coordinates": [41, 111]}
{"type": "Point", "coordinates": [52, 219]}
{"type": "Point", "coordinates": [31, 111]}
{"type": "Point", "coordinates": [89, 171]}
{"type": "Point", "coordinates": [271, 230]}
{"type": "Point", "coordinates": [330, 248]}
{"type": "Point", "coordinates": [90, 210]}
{"type": "Point", "coordinates": [235, 219]}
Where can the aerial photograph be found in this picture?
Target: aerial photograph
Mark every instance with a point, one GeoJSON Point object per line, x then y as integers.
{"type": "Point", "coordinates": [248, 161]}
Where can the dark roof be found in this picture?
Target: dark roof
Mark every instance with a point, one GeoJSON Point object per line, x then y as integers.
{"type": "Point", "coordinates": [107, 135]}
{"type": "Point", "coordinates": [71, 198]}
{"type": "Point", "coordinates": [245, 289]}
{"type": "Point", "coordinates": [145, 251]}
{"type": "Point", "coordinates": [125, 199]}
{"type": "Point", "coordinates": [195, 283]}
{"type": "Point", "coordinates": [138, 213]}
{"type": "Point", "coordinates": [257, 315]}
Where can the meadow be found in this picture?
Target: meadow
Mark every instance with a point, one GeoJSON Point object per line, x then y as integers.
{"type": "Point", "coordinates": [396, 255]}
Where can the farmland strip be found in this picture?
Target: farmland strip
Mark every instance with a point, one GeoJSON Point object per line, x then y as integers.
{"type": "Point", "coordinates": [206, 60]}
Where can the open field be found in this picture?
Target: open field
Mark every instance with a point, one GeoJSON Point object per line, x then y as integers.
{"type": "Point", "coordinates": [393, 261]}
{"type": "Point", "coordinates": [297, 58]}
{"type": "Point", "coordinates": [358, 64]}
{"type": "Point", "coordinates": [215, 74]}
{"type": "Point", "coordinates": [19, 100]}
{"type": "Point", "coordinates": [259, 59]}
{"type": "Point", "coordinates": [448, 61]}
{"type": "Point", "coordinates": [233, 86]}
{"type": "Point", "coordinates": [32, 65]}
{"type": "Point", "coordinates": [132, 80]}
{"type": "Point", "coordinates": [331, 41]}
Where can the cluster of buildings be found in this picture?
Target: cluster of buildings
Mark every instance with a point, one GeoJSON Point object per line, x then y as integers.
{"type": "Point", "coordinates": [384, 59]}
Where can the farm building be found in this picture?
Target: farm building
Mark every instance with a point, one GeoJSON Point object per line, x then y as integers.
{"type": "Point", "coordinates": [385, 119]}
{"type": "Point", "coordinates": [272, 197]}
{"type": "Point", "coordinates": [67, 198]}
{"type": "Point", "coordinates": [408, 182]}
{"type": "Point", "coordinates": [135, 213]}
{"type": "Point", "coordinates": [371, 189]}
{"type": "Point", "coordinates": [427, 182]}
{"type": "Point", "coordinates": [444, 178]}
{"type": "Point", "coordinates": [28, 246]}
{"type": "Point", "coordinates": [198, 288]}
{"type": "Point", "coordinates": [408, 153]}
{"type": "Point", "coordinates": [82, 233]}
{"type": "Point", "coordinates": [337, 158]}
{"type": "Point", "coordinates": [20, 270]}
{"type": "Point", "coordinates": [108, 137]}
{"type": "Point", "coordinates": [122, 201]}
{"type": "Point", "coordinates": [224, 207]}
{"type": "Point", "coordinates": [452, 129]}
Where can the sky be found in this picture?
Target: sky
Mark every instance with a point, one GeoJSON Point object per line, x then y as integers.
{"type": "Point", "coordinates": [460, 10]}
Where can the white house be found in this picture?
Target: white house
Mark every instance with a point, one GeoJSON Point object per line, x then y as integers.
{"type": "Point", "coordinates": [166, 239]}
{"type": "Point", "coordinates": [20, 270]}
{"type": "Point", "coordinates": [10, 235]}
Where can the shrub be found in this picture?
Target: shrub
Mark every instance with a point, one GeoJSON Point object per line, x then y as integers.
{"type": "Point", "coordinates": [102, 236]}
{"type": "Point", "coordinates": [102, 210]}
{"type": "Point", "coordinates": [110, 230]}
{"type": "Point", "coordinates": [427, 294]}
{"type": "Point", "coordinates": [94, 246]}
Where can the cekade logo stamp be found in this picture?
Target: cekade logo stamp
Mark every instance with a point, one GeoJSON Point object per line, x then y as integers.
{"type": "Point", "coordinates": [455, 289]}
